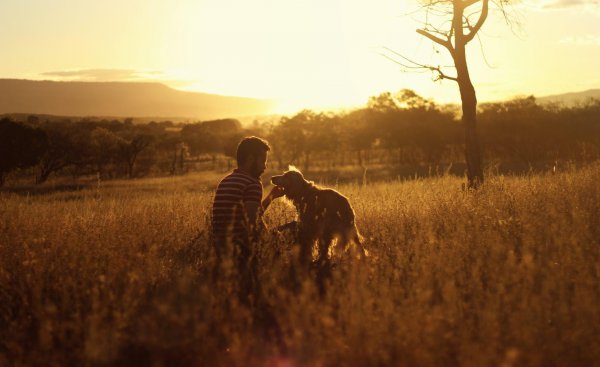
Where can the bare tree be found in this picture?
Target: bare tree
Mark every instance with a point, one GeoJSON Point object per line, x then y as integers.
{"type": "Point", "coordinates": [129, 150]}
{"type": "Point", "coordinates": [462, 19]}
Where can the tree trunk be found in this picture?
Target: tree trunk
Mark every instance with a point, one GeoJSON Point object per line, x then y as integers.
{"type": "Point", "coordinates": [130, 169]}
{"type": "Point", "coordinates": [2, 179]}
{"type": "Point", "coordinates": [182, 160]}
{"type": "Point", "coordinates": [472, 150]}
{"type": "Point", "coordinates": [174, 162]}
{"type": "Point", "coordinates": [469, 117]}
{"type": "Point", "coordinates": [42, 176]}
{"type": "Point", "coordinates": [130, 164]}
{"type": "Point", "coordinates": [46, 169]}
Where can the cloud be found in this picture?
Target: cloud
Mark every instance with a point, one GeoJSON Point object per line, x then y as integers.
{"type": "Point", "coordinates": [563, 4]}
{"type": "Point", "coordinates": [583, 40]}
{"type": "Point", "coordinates": [99, 75]}
{"type": "Point", "coordinates": [115, 75]}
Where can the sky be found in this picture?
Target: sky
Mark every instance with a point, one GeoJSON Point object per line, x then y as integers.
{"type": "Point", "coordinates": [301, 53]}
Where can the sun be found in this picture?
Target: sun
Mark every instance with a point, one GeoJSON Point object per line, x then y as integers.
{"type": "Point", "coordinates": [299, 53]}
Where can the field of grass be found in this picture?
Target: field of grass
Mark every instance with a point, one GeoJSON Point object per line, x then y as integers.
{"type": "Point", "coordinates": [121, 274]}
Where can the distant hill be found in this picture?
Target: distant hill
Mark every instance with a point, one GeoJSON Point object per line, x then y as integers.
{"type": "Point", "coordinates": [571, 98]}
{"type": "Point", "coordinates": [121, 99]}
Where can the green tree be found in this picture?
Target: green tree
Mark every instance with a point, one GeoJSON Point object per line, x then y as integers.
{"type": "Point", "coordinates": [131, 145]}
{"type": "Point", "coordinates": [68, 145]}
{"type": "Point", "coordinates": [106, 148]}
{"type": "Point", "coordinates": [21, 146]}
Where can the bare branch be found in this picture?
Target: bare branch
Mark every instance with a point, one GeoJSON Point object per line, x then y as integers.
{"type": "Point", "coordinates": [483, 52]}
{"type": "Point", "coordinates": [441, 74]}
{"type": "Point", "coordinates": [467, 22]}
{"type": "Point", "coordinates": [445, 43]}
{"type": "Point", "coordinates": [480, 21]}
{"type": "Point", "coordinates": [468, 3]}
{"type": "Point", "coordinates": [431, 29]}
{"type": "Point", "coordinates": [403, 64]}
{"type": "Point", "coordinates": [415, 65]}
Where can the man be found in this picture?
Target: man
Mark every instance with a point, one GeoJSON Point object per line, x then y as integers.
{"type": "Point", "coordinates": [238, 209]}
{"type": "Point", "coordinates": [238, 206]}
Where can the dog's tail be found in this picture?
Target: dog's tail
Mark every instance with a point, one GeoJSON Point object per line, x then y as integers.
{"type": "Point", "coordinates": [358, 239]}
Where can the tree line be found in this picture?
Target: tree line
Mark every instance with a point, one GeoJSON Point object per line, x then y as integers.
{"type": "Point", "coordinates": [400, 130]}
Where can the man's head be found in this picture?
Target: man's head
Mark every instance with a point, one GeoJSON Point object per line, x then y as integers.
{"type": "Point", "coordinates": [252, 155]}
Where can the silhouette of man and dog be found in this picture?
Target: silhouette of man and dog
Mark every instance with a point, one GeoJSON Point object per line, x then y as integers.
{"type": "Point", "coordinates": [323, 216]}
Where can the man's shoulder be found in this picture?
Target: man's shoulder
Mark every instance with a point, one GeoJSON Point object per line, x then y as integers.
{"type": "Point", "coordinates": [241, 178]}
{"type": "Point", "coordinates": [237, 177]}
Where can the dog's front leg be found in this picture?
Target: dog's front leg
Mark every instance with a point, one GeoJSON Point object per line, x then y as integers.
{"type": "Point", "coordinates": [302, 256]}
{"type": "Point", "coordinates": [306, 238]}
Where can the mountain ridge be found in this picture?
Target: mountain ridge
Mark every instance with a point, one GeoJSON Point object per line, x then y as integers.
{"type": "Point", "coordinates": [571, 97]}
{"type": "Point", "coordinates": [124, 99]}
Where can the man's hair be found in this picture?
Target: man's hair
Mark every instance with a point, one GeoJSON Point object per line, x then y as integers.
{"type": "Point", "coordinates": [250, 146]}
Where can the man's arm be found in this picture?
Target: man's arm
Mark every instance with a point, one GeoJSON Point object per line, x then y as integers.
{"type": "Point", "coordinates": [276, 192]}
{"type": "Point", "coordinates": [254, 211]}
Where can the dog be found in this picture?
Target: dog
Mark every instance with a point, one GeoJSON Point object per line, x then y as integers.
{"type": "Point", "coordinates": [324, 215]}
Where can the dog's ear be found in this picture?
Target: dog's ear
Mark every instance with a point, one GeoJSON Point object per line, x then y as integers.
{"type": "Point", "coordinates": [293, 168]}
{"type": "Point", "coordinates": [296, 180]}
{"type": "Point", "coordinates": [294, 176]}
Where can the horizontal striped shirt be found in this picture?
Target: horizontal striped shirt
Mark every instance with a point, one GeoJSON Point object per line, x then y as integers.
{"type": "Point", "coordinates": [228, 212]}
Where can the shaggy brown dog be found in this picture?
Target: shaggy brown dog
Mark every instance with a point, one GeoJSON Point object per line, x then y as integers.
{"type": "Point", "coordinates": [324, 215]}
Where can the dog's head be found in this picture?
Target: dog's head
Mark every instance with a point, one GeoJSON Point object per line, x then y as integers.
{"type": "Point", "coordinates": [292, 182]}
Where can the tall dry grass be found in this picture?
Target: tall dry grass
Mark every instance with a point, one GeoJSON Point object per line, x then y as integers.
{"type": "Point", "coordinates": [122, 275]}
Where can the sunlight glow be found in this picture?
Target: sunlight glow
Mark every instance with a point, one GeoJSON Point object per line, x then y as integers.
{"type": "Point", "coordinates": [301, 53]}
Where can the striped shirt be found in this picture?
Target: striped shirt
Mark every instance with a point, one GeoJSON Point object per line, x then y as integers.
{"type": "Point", "coordinates": [229, 219]}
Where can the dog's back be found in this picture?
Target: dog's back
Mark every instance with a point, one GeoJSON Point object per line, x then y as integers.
{"type": "Point", "coordinates": [324, 214]}
{"type": "Point", "coordinates": [335, 206]}
{"type": "Point", "coordinates": [337, 217]}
